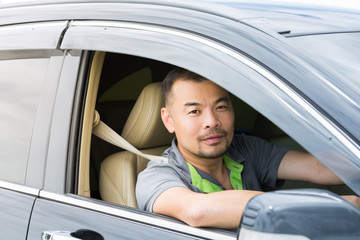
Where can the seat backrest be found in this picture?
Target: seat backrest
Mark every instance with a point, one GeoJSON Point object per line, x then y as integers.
{"type": "Point", "coordinates": [145, 131]}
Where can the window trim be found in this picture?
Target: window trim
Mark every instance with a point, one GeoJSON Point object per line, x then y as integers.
{"type": "Point", "coordinates": [19, 188]}
{"type": "Point", "coordinates": [43, 35]}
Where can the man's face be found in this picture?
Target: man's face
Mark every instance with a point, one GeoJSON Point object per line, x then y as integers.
{"type": "Point", "coordinates": [202, 117]}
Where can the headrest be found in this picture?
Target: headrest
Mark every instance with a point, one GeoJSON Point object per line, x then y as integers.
{"type": "Point", "coordinates": [144, 127]}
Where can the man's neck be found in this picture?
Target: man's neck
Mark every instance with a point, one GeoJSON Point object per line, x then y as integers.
{"type": "Point", "coordinates": [212, 166]}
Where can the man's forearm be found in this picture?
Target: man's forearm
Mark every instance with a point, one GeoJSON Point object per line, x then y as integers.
{"type": "Point", "coordinates": [220, 209]}
{"type": "Point", "coordinates": [326, 177]}
{"type": "Point", "coordinates": [302, 166]}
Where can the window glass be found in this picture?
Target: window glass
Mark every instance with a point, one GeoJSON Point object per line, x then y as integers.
{"type": "Point", "coordinates": [338, 51]}
{"type": "Point", "coordinates": [339, 54]}
{"type": "Point", "coordinates": [20, 84]}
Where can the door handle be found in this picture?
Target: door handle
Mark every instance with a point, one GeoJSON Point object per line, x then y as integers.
{"type": "Point", "coordinates": [83, 234]}
{"type": "Point", "coordinates": [57, 235]}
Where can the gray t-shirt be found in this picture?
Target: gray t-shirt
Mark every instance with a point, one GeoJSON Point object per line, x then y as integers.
{"type": "Point", "coordinates": [261, 161]}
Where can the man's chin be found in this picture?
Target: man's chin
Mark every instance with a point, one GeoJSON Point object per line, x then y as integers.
{"type": "Point", "coordinates": [212, 154]}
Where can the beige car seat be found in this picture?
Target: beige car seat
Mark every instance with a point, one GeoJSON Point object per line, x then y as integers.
{"type": "Point", "coordinates": [145, 131]}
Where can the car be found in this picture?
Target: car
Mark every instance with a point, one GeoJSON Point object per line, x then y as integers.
{"type": "Point", "coordinates": [69, 67]}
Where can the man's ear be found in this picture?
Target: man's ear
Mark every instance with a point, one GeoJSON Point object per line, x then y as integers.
{"type": "Point", "coordinates": [167, 120]}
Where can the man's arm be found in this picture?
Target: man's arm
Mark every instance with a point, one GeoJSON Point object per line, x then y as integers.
{"type": "Point", "coordinates": [303, 166]}
{"type": "Point", "coordinates": [220, 209]}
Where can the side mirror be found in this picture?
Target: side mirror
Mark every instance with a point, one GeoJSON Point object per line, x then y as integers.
{"type": "Point", "coordinates": [299, 215]}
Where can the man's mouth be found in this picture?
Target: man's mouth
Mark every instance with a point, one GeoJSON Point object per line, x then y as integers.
{"type": "Point", "coordinates": [213, 139]}
{"type": "Point", "coordinates": [213, 136]}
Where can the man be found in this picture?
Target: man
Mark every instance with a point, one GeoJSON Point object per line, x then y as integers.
{"type": "Point", "coordinates": [206, 158]}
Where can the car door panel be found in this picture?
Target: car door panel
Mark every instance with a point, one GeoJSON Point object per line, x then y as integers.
{"type": "Point", "coordinates": [15, 209]}
{"type": "Point", "coordinates": [50, 215]}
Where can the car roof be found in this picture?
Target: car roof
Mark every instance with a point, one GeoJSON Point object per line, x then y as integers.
{"type": "Point", "coordinates": [291, 17]}
{"type": "Point", "coordinates": [294, 19]}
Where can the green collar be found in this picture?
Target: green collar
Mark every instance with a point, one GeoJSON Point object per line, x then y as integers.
{"type": "Point", "coordinates": [208, 187]}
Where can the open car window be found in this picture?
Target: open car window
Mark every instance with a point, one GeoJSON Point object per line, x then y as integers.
{"type": "Point", "coordinates": [108, 172]}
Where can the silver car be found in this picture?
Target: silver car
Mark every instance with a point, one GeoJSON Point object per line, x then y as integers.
{"type": "Point", "coordinates": [69, 65]}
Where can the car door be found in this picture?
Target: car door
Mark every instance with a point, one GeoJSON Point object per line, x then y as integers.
{"type": "Point", "coordinates": [63, 213]}
{"type": "Point", "coordinates": [30, 66]}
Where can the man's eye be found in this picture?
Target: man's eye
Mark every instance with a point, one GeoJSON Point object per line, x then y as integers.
{"type": "Point", "coordinates": [194, 112]}
{"type": "Point", "coordinates": [221, 107]}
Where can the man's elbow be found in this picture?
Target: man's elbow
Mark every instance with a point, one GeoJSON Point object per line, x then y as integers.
{"type": "Point", "coordinates": [196, 216]}
{"type": "Point", "coordinates": [202, 215]}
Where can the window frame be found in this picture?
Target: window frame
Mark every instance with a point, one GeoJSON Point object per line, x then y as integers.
{"type": "Point", "coordinates": [144, 40]}
{"type": "Point", "coordinates": [127, 38]}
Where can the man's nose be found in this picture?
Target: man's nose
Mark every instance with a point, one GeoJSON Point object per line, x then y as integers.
{"type": "Point", "coordinates": [211, 120]}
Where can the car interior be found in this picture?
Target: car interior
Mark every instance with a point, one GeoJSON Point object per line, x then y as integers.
{"type": "Point", "coordinates": [125, 91]}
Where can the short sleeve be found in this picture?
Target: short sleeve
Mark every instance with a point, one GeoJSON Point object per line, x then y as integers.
{"type": "Point", "coordinates": [155, 179]}
{"type": "Point", "coordinates": [268, 162]}
{"type": "Point", "coordinates": [266, 158]}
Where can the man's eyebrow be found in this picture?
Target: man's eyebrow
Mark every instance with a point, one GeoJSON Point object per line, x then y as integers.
{"type": "Point", "coordinates": [222, 99]}
{"type": "Point", "coordinates": [189, 104]}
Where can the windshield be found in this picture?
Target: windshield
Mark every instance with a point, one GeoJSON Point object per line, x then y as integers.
{"type": "Point", "coordinates": [339, 54]}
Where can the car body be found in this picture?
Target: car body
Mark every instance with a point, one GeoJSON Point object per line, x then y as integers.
{"type": "Point", "coordinates": [295, 65]}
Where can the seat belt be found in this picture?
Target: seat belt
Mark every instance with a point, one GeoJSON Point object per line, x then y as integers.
{"type": "Point", "coordinates": [101, 130]}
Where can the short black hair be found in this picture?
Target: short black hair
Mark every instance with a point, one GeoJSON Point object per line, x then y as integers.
{"type": "Point", "coordinates": [176, 74]}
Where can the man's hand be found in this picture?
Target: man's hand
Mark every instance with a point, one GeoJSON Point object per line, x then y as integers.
{"type": "Point", "coordinates": [354, 200]}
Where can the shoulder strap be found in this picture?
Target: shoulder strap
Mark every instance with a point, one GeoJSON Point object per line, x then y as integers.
{"type": "Point", "coordinates": [101, 130]}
